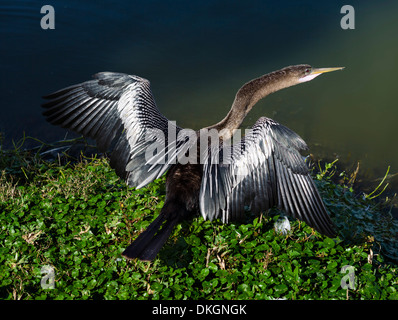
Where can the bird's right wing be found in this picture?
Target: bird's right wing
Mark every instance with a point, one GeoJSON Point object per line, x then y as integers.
{"type": "Point", "coordinates": [263, 170]}
{"type": "Point", "coordinates": [119, 109]}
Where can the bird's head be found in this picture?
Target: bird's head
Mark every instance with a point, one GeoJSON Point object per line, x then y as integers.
{"type": "Point", "coordinates": [305, 72]}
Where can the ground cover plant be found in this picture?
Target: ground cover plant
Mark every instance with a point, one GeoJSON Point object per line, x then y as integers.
{"type": "Point", "coordinates": [76, 217]}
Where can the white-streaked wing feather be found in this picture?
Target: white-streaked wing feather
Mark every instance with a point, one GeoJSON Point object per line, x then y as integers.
{"type": "Point", "coordinates": [265, 169]}
{"type": "Point", "coordinates": [119, 110]}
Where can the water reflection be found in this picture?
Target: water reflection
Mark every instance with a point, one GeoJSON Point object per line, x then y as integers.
{"type": "Point", "coordinates": [197, 55]}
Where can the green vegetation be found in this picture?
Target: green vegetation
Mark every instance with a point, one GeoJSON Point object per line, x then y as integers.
{"type": "Point", "coordinates": [79, 216]}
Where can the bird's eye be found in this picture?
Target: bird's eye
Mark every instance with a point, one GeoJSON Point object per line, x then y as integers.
{"type": "Point", "coordinates": [307, 71]}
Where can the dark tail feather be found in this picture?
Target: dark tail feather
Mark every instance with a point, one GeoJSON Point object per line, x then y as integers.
{"type": "Point", "coordinates": [157, 242]}
{"type": "Point", "coordinates": [139, 244]}
{"type": "Point", "coordinates": [149, 243]}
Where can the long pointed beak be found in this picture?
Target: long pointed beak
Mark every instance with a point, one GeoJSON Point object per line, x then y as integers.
{"type": "Point", "coordinates": [324, 70]}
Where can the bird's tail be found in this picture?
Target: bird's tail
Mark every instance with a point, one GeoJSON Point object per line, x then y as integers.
{"type": "Point", "coordinates": [149, 242]}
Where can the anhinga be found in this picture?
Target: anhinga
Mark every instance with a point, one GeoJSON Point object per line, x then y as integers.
{"type": "Point", "coordinates": [262, 170]}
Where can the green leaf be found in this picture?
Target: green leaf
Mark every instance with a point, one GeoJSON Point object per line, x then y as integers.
{"type": "Point", "coordinates": [204, 272]}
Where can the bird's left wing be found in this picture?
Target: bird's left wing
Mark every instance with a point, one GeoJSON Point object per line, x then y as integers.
{"type": "Point", "coordinates": [263, 170]}
{"type": "Point", "coordinates": [119, 110]}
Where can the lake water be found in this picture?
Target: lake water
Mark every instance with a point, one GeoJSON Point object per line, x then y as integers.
{"type": "Point", "coordinates": [198, 53]}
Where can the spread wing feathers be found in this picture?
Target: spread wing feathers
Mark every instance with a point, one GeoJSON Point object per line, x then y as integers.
{"type": "Point", "coordinates": [119, 110]}
{"type": "Point", "coordinates": [263, 170]}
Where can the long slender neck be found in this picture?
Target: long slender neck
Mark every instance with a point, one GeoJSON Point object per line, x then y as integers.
{"type": "Point", "coordinates": [248, 95]}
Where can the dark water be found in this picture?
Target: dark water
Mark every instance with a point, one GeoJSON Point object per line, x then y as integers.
{"type": "Point", "coordinates": [198, 53]}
